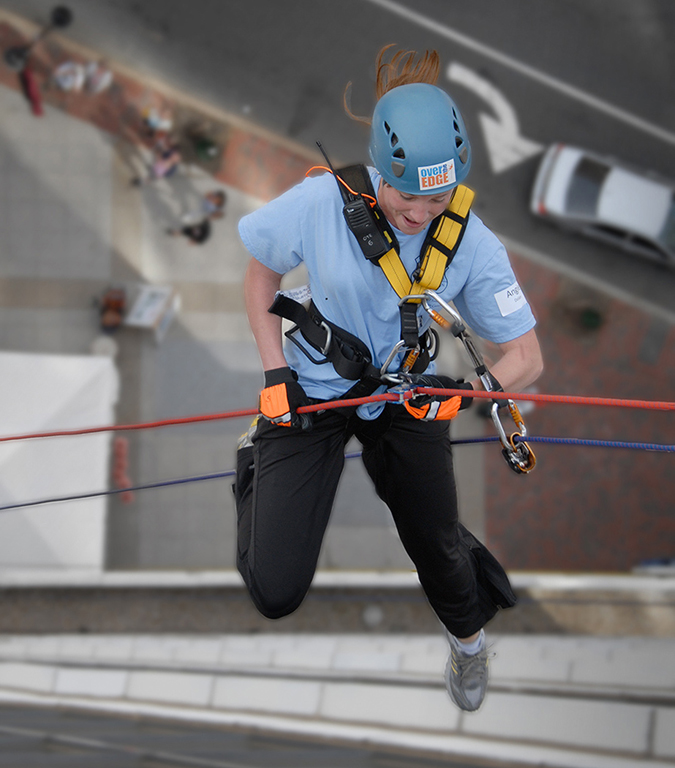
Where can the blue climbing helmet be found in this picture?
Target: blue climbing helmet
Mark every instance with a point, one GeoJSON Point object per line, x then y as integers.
{"type": "Point", "coordinates": [418, 141]}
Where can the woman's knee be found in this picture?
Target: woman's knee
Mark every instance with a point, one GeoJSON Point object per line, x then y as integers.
{"type": "Point", "coordinates": [275, 599]}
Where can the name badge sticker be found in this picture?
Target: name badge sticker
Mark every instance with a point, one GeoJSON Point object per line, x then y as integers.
{"type": "Point", "coordinates": [301, 294]}
{"type": "Point", "coordinates": [436, 176]}
{"type": "Point", "coordinates": [510, 300]}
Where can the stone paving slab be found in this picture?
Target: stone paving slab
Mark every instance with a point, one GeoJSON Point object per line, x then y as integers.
{"type": "Point", "coordinates": [664, 736]}
{"type": "Point", "coordinates": [628, 663]}
{"type": "Point", "coordinates": [622, 728]}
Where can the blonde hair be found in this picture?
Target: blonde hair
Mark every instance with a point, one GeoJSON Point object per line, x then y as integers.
{"type": "Point", "coordinates": [403, 68]}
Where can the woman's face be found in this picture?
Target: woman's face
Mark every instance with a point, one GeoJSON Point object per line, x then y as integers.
{"type": "Point", "coordinates": [410, 214]}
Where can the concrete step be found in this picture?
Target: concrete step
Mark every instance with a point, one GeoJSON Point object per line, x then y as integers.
{"type": "Point", "coordinates": [566, 701]}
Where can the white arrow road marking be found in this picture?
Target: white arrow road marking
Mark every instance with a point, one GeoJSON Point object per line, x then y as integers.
{"type": "Point", "coordinates": [506, 147]}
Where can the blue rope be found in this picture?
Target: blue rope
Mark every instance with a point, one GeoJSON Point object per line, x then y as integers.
{"type": "Point", "coordinates": [231, 472]}
{"type": "Point", "coordinates": [574, 441]}
{"type": "Point", "coordinates": [112, 492]}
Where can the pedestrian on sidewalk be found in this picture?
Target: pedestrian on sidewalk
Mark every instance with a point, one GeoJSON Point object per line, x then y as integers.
{"type": "Point", "coordinates": [157, 121]}
{"type": "Point", "coordinates": [92, 78]}
{"type": "Point", "coordinates": [166, 157]}
{"type": "Point", "coordinates": [196, 225]}
{"type": "Point", "coordinates": [111, 308]}
{"type": "Point", "coordinates": [289, 464]}
{"type": "Point", "coordinates": [70, 76]}
{"type": "Point", "coordinates": [97, 77]}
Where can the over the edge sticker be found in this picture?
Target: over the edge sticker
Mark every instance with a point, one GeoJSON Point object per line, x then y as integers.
{"type": "Point", "coordinates": [434, 176]}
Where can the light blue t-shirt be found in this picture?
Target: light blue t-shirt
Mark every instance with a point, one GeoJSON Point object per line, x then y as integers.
{"type": "Point", "coordinates": [306, 225]}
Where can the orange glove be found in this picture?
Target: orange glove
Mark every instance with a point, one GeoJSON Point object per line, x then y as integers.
{"type": "Point", "coordinates": [280, 398]}
{"type": "Point", "coordinates": [437, 407]}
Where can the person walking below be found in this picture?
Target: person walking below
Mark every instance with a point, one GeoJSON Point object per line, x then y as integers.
{"type": "Point", "coordinates": [404, 227]}
{"type": "Point", "coordinates": [166, 158]}
{"type": "Point", "coordinates": [196, 226]}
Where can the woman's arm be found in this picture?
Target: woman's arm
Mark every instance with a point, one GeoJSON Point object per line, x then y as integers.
{"type": "Point", "coordinates": [260, 286]}
{"type": "Point", "coordinates": [521, 363]}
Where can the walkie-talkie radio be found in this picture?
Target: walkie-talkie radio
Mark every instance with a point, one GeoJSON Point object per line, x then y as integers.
{"type": "Point", "coordinates": [360, 218]}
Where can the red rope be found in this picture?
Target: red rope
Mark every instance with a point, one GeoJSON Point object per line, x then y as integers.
{"type": "Point", "coordinates": [654, 405]}
{"type": "Point", "coordinates": [124, 427]}
{"type": "Point", "coordinates": [385, 396]}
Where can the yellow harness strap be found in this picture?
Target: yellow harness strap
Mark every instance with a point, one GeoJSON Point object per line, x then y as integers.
{"type": "Point", "coordinates": [438, 249]}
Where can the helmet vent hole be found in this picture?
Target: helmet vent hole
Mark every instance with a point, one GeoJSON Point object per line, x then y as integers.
{"type": "Point", "coordinates": [387, 128]}
{"type": "Point", "coordinates": [463, 155]}
{"type": "Point", "coordinates": [456, 126]}
{"type": "Point", "coordinates": [399, 153]}
{"type": "Point", "coordinates": [394, 139]}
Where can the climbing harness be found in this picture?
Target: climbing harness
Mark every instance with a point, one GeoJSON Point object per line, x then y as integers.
{"type": "Point", "coordinates": [348, 354]}
{"type": "Point", "coordinates": [377, 241]}
{"type": "Point", "coordinates": [350, 357]}
{"type": "Point", "coordinates": [333, 342]}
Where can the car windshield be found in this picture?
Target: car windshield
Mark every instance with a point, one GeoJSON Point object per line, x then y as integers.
{"type": "Point", "coordinates": [585, 185]}
{"type": "Point", "coordinates": [667, 236]}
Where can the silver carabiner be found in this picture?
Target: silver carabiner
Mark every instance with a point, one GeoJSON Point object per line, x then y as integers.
{"type": "Point", "coordinates": [503, 437]}
{"type": "Point", "coordinates": [397, 348]}
{"type": "Point", "coordinates": [458, 330]}
{"type": "Point", "coordinates": [457, 327]}
{"type": "Point", "coordinates": [329, 338]}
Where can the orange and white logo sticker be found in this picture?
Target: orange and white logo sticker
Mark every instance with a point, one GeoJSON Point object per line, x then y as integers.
{"type": "Point", "coordinates": [437, 176]}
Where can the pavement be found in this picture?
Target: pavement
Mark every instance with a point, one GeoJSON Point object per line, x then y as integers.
{"type": "Point", "coordinates": [71, 226]}
{"type": "Point", "coordinates": [572, 702]}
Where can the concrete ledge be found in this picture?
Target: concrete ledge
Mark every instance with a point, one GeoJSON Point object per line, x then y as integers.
{"type": "Point", "coordinates": [647, 580]}
{"type": "Point", "coordinates": [49, 602]}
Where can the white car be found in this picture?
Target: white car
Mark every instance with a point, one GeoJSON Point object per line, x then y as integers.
{"type": "Point", "coordinates": [604, 199]}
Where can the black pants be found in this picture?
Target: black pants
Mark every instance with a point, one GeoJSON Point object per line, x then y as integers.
{"type": "Point", "coordinates": [285, 488]}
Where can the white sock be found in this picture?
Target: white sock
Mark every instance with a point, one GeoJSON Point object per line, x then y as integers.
{"type": "Point", "coordinates": [472, 648]}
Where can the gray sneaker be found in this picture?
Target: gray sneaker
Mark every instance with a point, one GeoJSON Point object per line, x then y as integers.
{"type": "Point", "coordinates": [466, 677]}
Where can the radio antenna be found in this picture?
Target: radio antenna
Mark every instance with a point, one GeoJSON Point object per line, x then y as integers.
{"type": "Point", "coordinates": [346, 195]}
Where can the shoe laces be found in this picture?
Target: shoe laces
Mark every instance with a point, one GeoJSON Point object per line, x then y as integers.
{"type": "Point", "coordinates": [465, 664]}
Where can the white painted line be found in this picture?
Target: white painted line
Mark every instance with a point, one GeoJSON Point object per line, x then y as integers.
{"type": "Point", "coordinates": [524, 69]}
